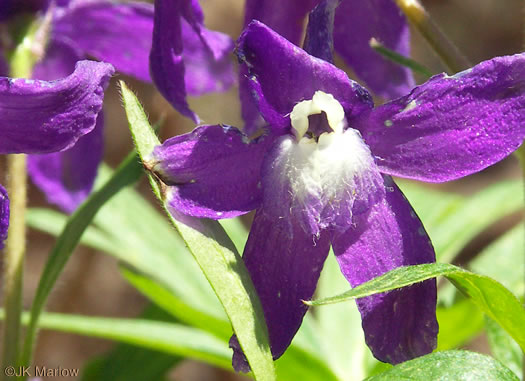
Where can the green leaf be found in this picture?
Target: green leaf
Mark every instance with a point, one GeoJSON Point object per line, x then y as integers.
{"type": "Point", "coordinates": [157, 335]}
{"type": "Point", "coordinates": [458, 324]}
{"type": "Point", "coordinates": [490, 296]}
{"type": "Point", "coordinates": [128, 362]}
{"type": "Point", "coordinates": [503, 260]}
{"type": "Point", "coordinates": [217, 257]}
{"type": "Point", "coordinates": [503, 347]}
{"type": "Point", "coordinates": [452, 220]}
{"type": "Point", "coordinates": [128, 172]}
{"type": "Point", "coordinates": [449, 365]}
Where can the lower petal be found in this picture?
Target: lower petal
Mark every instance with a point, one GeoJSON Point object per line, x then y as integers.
{"type": "Point", "coordinates": [401, 324]}
{"type": "Point", "coordinates": [4, 215]}
{"type": "Point", "coordinates": [284, 267]}
{"type": "Point", "coordinates": [67, 177]}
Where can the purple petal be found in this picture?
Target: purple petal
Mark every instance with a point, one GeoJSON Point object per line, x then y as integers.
{"type": "Point", "coordinates": [118, 33]}
{"type": "Point", "coordinates": [284, 267]}
{"type": "Point", "coordinates": [61, 111]}
{"type": "Point", "coordinates": [356, 22]}
{"type": "Point", "coordinates": [4, 216]}
{"type": "Point", "coordinates": [451, 127]}
{"type": "Point", "coordinates": [67, 177]}
{"type": "Point", "coordinates": [287, 75]}
{"type": "Point", "coordinates": [401, 324]}
{"type": "Point", "coordinates": [286, 17]}
{"type": "Point", "coordinates": [176, 44]}
{"type": "Point", "coordinates": [212, 172]}
{"type": "Point", "coordinates": [320, 185]}
{"type": "Point", "coordinates": [319, 39]}
{"type": "Point", "coordinates": [9, 8]}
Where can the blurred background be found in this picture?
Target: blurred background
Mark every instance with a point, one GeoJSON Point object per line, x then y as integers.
{"type": "Point", "coordinates": [91, 284]}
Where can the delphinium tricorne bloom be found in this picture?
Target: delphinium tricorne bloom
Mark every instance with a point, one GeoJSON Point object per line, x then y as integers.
{"type": "Point", "coordinates": [38, 117]}
{"type": "Point", "coordinates": [319, 176]}
{"type": "Point", "coordinates": [118, 33]}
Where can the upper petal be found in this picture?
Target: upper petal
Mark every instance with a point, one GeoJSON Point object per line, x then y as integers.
{"type": "Point", "coordinates": [284, 266]}
{"type": "Point", "coordinates": [401, 324]}
{"type": "Point", "coordinates": [67, 177]}
{"type": "Point", "coordinates": [356, 22]}
{"type": "Point", "coordinates": [4, 215]}
{"type": "Point", "coordinates": [212, 172]}
{"type": "Point", "coordinates": [118, 33]}
{"type": "Point", "coordinates": [61, 111]}
{"type": "Point", "coordinates": [450, 127]}
{"type": "Point", "coordinates": [286, 74]}
{"type": "Point", "coordinates": [207, 54]}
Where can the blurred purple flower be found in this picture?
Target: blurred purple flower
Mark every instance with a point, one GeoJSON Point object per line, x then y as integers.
{"type": "Point", "coordinates": [121, 34]}
{"type": "Point", "coordinates": [356, 22]}
{"type": "Point", "coordinates": [38, 117]}
{"type": "Point", "coordinates": [320, 176]}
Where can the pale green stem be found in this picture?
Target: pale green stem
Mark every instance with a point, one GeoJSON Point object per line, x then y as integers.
{"type": "Point", "coordinates": [21, 61]}
{"type": "Point", "coordinates": [453, 59]}
{"type": "Point", "coordinates": [14, 259]}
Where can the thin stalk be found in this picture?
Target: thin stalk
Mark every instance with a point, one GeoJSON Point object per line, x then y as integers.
{"type": "Point", "coordinates": [14, 258]}
{"type": "Point", "coordinates": [449, 54]}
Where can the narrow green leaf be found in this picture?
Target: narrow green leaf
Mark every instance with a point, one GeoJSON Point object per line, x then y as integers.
{"type": "Point", "coordinates": [490, 296]}
{"type": "Point", "coordinates": [503, 347]}
{"type": "Point", "coordinates": [448, 365]}
{"type": "Point", "coordinates": [127, 173]}
{"type": "Point", "coordinates": [157, 335]}
{"type": "Point", "coordinates": [217, 257]}
{"type": "Point", "coordinates": [399, 59]}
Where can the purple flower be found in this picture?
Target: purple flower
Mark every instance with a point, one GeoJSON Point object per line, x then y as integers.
{"type": "Point", "coordinates": [356, 22]}
{"type": "Point", "coordinates": [41, 117]}
{"type": "Point", "coordinates": [121, 34]}
{"type": "Point", "coordinates": [320, 177]}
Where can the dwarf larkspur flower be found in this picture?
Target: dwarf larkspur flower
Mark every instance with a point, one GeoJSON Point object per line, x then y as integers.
{"type": "Point", "coordinates": [320, 177]}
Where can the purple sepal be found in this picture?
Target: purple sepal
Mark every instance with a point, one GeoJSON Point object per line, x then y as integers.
{"type": "Point", "coordinates": [4, 215]}
{"type": "Point", "coordinates": [207, 54]}
{"type": "Point", "coordinates": [212, 172]}
{"type": "Point", "coordinates": [119, 33]}
{"type": "Point", "coordinates": [319, 39]}
{"type": "Point", "coordinates": [399, 325]}
{"type": "Point", "coordinates": [67, 177]}
{"type": "Point", "coordinates": [284, 267]}
{"type": "Point", "coordinates": [451, 127]}
{"type": "Point", "coordinates": [300, 75]}
{"type": "Point", "coordinates": [356, 22]}
{"type": "Point", "coordinates": [61, 111]}
{"type": "Point", "coordinates": [285, 17]}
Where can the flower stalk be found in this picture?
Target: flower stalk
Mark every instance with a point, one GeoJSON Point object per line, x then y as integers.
{"type": "Point", "coordinates": [449, 54]}
{"type": "Point", "coordinates": [22, 61]}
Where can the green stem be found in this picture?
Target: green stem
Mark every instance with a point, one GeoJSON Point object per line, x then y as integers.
{"type": "Point", "coordinates": [453, 59]}
{"type": "Point", "coordinates": [14, 258]}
